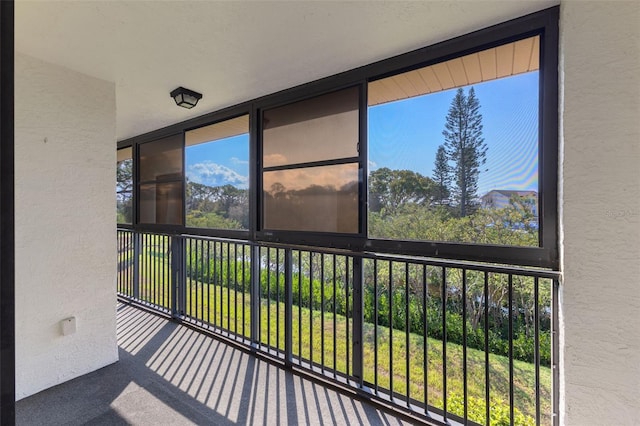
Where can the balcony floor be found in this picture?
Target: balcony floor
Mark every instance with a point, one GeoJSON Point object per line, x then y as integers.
{"type": "Point", "coordinates": [172, 375]}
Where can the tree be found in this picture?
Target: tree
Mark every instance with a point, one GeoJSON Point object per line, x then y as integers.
{"type": "Point", "coordinates": [391, 189]}
{"type": "Point", "coordinates": [465, 148]}
{"type": "Point", "coordinates": [442, 175]}
{"type": "Point", "coordinates": [124, 191]}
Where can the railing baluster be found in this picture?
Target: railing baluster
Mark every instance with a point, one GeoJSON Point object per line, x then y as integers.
{"type": "Point", "coordinates": [425, 343]}
{"type": "Point", "coordinates": [235, 288]}
{"type": "Point", "coordinates": [322, 311]}
{"type": "Point", "coordinates": [390, 303]}
{"type": "Point", "coordinates": [335, 286]}
{"type": "Point", "coordinates": [375, 325]}
{"type": "Point", "coordinates": [346, 280]}
{"type": "Point", "coordinates": [288, 307]}
{"type": "Point", "coordinates": [202, 281]}
{"type": "Point", "coordinates": [555, 353]}
{"type": "Point", "coordinates": [486, 350]}
{"type": "Point", "coordinates": [536, 345]}
{"type": "Point", "coordinates": [358, 304]}
{"type": "Point", "coordinates": [209, 283]}
{"type": "Point", "coordinates": [189, 285]}
{"type": "Point", "coordinates": [254, 295]}
{"type": "Point", "coordinates": [311, 309]}
{"type": "Point", "coordinates": [465, 390]}
{"type": "Point", "coordinates": [215, 285]}
{"type": "Point", "coordinates": [444, 342]}
{"type": "Point", "coordinates": [228, 283]}
{"type": "Point", "coordinates": [511, 401]}
{"type": "Point", "coordinates": [407, 331]}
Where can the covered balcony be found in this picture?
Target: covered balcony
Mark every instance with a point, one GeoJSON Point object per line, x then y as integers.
{"type": "Point", "coordinates": [342, 271]}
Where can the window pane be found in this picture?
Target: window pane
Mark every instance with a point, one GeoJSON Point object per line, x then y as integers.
{"type": "Point", "coordinates": [453, 150]}
{"type": "Point", "coordinates": [323, 199]}
{"type": "Point", "coordinates": [161, 159]}
{"type": "Point", "coordinates": [161, 203]}
{"type": "Point", "coordinates": [124, 186]}
{"type": "Point", "coordinates": [217, 170]}
{"type": "Point", "coordinates": [322, 128]}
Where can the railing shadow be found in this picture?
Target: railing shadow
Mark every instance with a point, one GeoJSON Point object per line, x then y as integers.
{"type": "Point", "coordinates": [170, 374]}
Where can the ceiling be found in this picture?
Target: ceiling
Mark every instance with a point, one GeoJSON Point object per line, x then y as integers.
{"type": "Point", "coordinates": [233, 51]}
{"type": "Point", "coordinates": [502, 61]}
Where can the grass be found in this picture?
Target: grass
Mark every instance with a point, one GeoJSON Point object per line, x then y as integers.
{"type": "Point", "coordinates": [324, 339]}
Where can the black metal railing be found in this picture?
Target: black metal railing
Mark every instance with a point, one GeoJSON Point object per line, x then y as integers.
{"type": "Point", "coordinates": [444, 341]}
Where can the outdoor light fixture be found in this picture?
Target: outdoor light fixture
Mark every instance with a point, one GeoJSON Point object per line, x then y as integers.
{"type": "Point", "coordinates": [185, 98]}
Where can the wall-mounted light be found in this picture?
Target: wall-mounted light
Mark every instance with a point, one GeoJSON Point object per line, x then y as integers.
{"type": "Point", "coordinates": [185, 98]}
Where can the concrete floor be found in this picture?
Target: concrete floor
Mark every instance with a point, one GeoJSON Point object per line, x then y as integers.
{"type": "Point", "coordinates": [171, 375]}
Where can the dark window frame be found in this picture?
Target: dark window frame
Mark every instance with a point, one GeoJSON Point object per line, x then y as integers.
{"type": "Point", "coordinates": [543, 23]}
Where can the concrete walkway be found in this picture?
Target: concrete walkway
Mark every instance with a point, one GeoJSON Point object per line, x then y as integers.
{"type": "Point", "coordinates": [171, 375]}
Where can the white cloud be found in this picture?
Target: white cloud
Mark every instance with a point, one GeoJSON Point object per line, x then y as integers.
{"type": "Point", "coordinates": [236, 160]}
{"type": "Point", "coordinates": [212, 174]}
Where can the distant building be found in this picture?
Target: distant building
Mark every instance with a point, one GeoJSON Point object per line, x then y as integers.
{"type": "Point", "coordinates": [499, 198]}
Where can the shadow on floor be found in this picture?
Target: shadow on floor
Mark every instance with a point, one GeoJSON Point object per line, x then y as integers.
{"type": "Point", "coordinates": [172, 375]}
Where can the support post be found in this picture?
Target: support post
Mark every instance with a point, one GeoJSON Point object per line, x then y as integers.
{"type": "Point", "coordinates": [7, 218]}
{"type": "Point", "coordinates": [358, 320]}
{"type": "Point", "coordinates": [178, 276]}
{"type": "Point", "coordinates": [255, 295]}
{"type": "Point", "coordinates": [288, 309]}
{"type": "Point", "coordinates": [137, 244]}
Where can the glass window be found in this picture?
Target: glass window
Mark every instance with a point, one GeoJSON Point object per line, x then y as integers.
{"type": "Point", "coordinates": [161, 203]}
{"type": "Point", "coordinates": [317, 129]}
{"type": "Point", "coordinates": [453, 149]}
{"type": "Point", "coordinates": [217, 172]}
{"type": "Point", "coordinates": [300, 196]}
{"type": "Point", "coordinates": [124, 186]}
{"type": "Point", "coordinates": [322, 199]}
{"type": "Point", "coordinates": [161, 159]}
{"type": "Point", "coordinates": [160, 187]}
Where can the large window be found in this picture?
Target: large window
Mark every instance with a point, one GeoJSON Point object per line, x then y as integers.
{"type": "Point", "coordinates": [161, 182]}
{"type": "Point", "coordinates": [310, 164]}
{"type": "Point", "coordinates": [124, 186]}
{"type": "Point", "coordinates": [217, 172]}
{"type": "Point", "coordinates": [453, 149]}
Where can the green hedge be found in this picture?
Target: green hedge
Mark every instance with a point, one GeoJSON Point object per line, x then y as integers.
{"type": "Point", "coordinates": [309, 294]}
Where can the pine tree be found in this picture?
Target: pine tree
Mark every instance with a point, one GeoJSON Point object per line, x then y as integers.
{"type": "Point", "coordinates": [465, 148]}
{"type": "Point", "coordinates": [442, 175]}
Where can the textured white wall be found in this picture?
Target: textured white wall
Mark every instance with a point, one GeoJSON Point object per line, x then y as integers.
{"type": "Point", "coordinates": [600, 68]}
{"type": "Point", "coordinates": [65, 224]}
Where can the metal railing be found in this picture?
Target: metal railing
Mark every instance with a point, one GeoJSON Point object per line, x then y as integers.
{"type": "Point", "coordinates": [445, 341]}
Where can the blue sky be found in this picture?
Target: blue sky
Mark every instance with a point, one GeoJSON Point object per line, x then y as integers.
{"type": "Point", "coordinates": [226, 161]}
{"type": "Point", "coordinates": [406, 134]}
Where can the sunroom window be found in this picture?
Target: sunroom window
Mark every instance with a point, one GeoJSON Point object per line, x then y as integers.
{"type": "Point", "coordinates": [454, 149]}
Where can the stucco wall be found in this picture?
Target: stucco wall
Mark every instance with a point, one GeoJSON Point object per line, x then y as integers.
{"type": "Point", "coordinates": [600, 71]}
{"type": "Point", "coordinates": [65, 224]}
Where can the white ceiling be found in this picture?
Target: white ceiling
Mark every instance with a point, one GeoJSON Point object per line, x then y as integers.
{"type": "Point", "coordinates": [234, 51]}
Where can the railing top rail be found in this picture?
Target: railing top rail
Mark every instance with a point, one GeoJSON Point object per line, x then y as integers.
{"type": "Point", "coordinates": [429, 261]}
